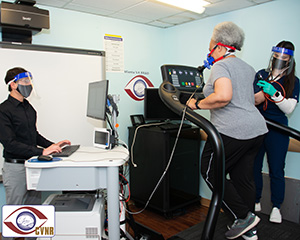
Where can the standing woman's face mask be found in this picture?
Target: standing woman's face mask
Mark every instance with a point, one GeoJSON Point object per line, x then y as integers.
{"type": "Point", "coordinates": [280, 61]}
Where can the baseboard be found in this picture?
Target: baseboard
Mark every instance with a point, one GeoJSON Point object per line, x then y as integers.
{"type": "Point", "coordinates": [205, 202]}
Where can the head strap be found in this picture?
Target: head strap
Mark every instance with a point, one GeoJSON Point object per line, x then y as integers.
{"type": "Point", "coordinates": [283, 50]}
{"type": "Point", "coordinates": [230, 50]}
{"type": "Point", "coordinates": [20, 76]}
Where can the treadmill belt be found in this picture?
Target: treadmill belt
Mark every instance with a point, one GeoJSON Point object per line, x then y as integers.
{"type": "Point", "coordinates": [266, 230]}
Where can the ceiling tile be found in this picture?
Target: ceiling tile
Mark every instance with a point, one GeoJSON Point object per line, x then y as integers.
{"type": "Point", "coordinates": [160, 24]}
{"type": "Point", "coordinates": [176, 19]}
{"type": "Point", "coordinates": [112, 5]}
{"type": "Point", "coordinates": [192, 15]}
{"type": "Point", "coordinates": [227, 6]}
{"type": "Point", "coordinates": [53, 3]}
{"type": "Point", "coordinates": [87, 9]}
{"type": "Point", "coordinates": [151, 10]}
{"type": "Point", "coordinates": [215, 1]}
{"type": "Point", "coordinates": [261, 1]}
{"type": "Point", "coordinates": [132, 18]}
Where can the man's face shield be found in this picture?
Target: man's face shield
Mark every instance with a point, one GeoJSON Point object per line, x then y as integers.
{"type": "Point", "coordinates": [281, 60]}
{"type": "Point", "coordinates": [24, 81]}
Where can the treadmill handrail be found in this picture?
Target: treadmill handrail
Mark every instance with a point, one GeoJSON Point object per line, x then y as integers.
{"type": "Point", "coordinates": [284, 129]}
{"type": "Point", "coordinates": [170, 96]}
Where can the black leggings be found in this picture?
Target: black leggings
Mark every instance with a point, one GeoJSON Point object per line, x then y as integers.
{"type": "Point", "coordinates": [239, 195]}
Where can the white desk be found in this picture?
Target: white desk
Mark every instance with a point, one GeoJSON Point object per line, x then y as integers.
{"type": "Point", "coordinates": [88, 168]}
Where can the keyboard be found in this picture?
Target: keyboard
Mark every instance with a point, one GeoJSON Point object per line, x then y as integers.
{"type": "Point", "coordinates": [66, 151]}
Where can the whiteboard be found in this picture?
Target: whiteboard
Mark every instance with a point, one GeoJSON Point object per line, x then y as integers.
{"type": "Point", "coordinates": [60, 78]}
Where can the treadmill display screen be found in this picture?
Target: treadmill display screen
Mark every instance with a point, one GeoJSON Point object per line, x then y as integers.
{"type": "Point", "coordinates": [183, 77]}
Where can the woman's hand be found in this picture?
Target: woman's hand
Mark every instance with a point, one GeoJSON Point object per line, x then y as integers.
{"type": "Point", "coordinates": [192, 103]}
{"type": "Point", "coordinates": [267, 87]}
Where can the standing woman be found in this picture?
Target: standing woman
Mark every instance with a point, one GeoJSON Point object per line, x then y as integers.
{"type": "Point", "coordinates": [230, 99]}
{"type": "Point", "coordinates": [276, 94]}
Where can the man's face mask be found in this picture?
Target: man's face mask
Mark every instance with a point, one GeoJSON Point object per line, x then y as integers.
{"type": "Point", "coordinates": [24, 83]}
{"type": "Point", "coordinates": [25, 90]}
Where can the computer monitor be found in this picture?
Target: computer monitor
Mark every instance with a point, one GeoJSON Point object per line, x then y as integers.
{"type": "Point", "coordinates": [155, 109]}
{"type": "Point", "coordinates": [97, 99]}
{"type": "Point", "coordinates": [184, 78]}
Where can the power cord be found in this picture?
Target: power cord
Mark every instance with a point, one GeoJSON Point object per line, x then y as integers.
{"type": "Point", "coordinates": [134, 138]}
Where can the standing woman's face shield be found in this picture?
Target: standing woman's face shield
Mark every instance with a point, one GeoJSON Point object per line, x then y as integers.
{"type": "Point", "coordinates": [281, 60]}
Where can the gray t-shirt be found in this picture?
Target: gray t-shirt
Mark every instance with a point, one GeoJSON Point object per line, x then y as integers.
{"type": "Point", "coordinates": [239, 119]}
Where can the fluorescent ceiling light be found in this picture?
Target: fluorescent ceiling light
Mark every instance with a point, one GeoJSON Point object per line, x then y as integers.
{"type": "Point", "coordinates": [191, 5]}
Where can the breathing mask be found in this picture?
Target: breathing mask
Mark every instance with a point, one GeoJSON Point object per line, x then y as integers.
{"type": "Point", "coordinates": [281, 61]}
{"type": "Point", "coordinates": [24, 81]}
{"type": "Point", "coordinates": [210, 60]}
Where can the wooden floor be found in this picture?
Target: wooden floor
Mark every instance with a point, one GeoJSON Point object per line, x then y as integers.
{"type": "Point", "coordinates": [168, 227]}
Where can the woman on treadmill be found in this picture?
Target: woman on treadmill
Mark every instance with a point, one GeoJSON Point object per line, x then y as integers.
{"type": "Point", "coordinates": [230, 99]}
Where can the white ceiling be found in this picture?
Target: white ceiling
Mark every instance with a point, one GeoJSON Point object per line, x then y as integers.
{"type": "Point", "coordinates": [148, 12]}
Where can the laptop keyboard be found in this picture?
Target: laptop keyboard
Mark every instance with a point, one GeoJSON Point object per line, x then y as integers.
{"type": "Point", "coordinates": [66, 151]}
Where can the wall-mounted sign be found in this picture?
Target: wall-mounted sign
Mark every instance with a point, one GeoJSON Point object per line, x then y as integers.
{"type": "Point", "coordinates": [114, 53]}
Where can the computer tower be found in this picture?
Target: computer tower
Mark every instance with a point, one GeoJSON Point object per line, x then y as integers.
{"type": "Point", "coordinates": [151, 152]}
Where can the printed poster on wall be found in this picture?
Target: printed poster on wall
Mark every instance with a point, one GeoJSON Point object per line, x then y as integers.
{"type": "Point", "coordinates": [114, 53]}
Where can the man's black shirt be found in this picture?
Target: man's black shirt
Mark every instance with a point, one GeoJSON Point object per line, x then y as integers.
{"type": "Point", "coordinates": [18, 133]}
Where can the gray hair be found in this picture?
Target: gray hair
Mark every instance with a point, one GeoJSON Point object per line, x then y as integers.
{"type": "Point", "coordinates": [229, 34]}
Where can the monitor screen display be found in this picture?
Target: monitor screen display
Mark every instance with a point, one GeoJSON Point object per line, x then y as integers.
{"type": "Point", "coordinates": [184, 78]}
{"type": "Point", "coordinates": [97, 99]}
{"type": "Point", "coordinates": [155, 109]}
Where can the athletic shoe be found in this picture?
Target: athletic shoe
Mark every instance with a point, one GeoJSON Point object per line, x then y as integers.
{"type": "Point", "coordinates": [275, 215]}
{"type": "Point", "coordinates": [241, 226]}
{"type": "Point", "coordinates": [257, 207]}
{"type": "Point", "coordinates": [250, 235]}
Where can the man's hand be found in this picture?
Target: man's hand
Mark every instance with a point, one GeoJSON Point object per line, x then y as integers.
{"type": "Point", "coordinates": [56, 147]}
{"type": "Point", "coordinates": [63, 143]}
